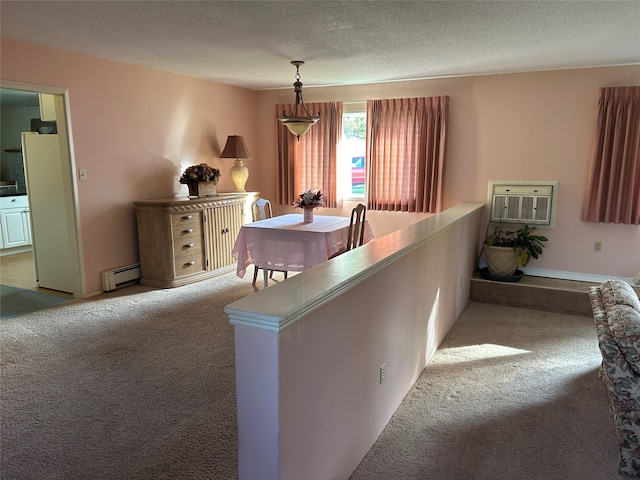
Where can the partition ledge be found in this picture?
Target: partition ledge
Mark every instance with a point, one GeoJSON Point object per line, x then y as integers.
{"type": "Point", "coordinates": [280, 305]}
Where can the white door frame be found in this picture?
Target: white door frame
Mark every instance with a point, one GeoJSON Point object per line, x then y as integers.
{"type": "Point", "coordinates": [70, 180]}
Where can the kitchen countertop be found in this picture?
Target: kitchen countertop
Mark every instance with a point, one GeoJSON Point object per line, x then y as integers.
{"type": "Point", "coordinates": [11, 194]}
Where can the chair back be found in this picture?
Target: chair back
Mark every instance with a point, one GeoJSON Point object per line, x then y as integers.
{"type": "Point", "coordinates": [261, 209]}
{"type": "Point", "coordinates": [356, 227]}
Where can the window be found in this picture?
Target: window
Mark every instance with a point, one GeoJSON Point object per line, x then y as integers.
{"type": "Point", "coordinates": [312, 161]}
{"type": "Point", "coordinates": [352, 173]}
{"type": "Point", "coordinates": [390, 151]}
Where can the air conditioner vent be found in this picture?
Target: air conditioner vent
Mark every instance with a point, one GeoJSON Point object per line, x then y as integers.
{"type": "Point", "coordinates": [521, 202]}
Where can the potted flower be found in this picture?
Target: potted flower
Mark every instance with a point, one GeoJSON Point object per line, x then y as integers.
{"type": "Point", "coordinates": [308, 200]}
{"type": "Point", "coordinates": [201, 180]}
{"type": "Point", "coordinates": [507, 250]}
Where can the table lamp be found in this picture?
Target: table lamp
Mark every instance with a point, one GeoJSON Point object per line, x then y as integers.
{"type": "Point", "coordinates": [235, 148]}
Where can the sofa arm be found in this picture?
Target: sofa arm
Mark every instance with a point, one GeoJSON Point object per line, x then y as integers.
{"type": "Point", "coordinates": [623, 388]}
{"type": "Point", "coordinates": [621, 380]}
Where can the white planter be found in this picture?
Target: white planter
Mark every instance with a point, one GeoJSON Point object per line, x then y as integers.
{"type": "Point", "coordinates": [307, 214]}
{"type": "Point", "coordinates": [502, 261]}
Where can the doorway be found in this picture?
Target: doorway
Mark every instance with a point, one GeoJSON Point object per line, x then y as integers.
{"type": "Point", "coordinates": [67, 237]}
{"type": "Point", "coordinates": [18, 271]}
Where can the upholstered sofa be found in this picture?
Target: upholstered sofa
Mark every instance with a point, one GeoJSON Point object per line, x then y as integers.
{"type": "Point", "coordinates": [616, 311]}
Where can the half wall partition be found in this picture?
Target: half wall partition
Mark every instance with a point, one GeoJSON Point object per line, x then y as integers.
{"type": "Point", "coordinates": [311, 351]}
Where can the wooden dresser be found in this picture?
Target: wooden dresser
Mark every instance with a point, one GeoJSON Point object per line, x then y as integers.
{"type": "Point", "coordinates": [185, 240]}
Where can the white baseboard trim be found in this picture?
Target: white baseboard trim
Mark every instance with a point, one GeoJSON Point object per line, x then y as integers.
{"type": "Point", "coordinates": [14, 250]}
{"type": "Point", "coordinates": [581, 277]}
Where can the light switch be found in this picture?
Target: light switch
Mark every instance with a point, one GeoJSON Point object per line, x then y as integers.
{"type": "Point", "coordinates": [83, 174]}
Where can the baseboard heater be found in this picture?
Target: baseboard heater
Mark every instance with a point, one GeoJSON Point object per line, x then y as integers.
{"type": "Point", "coordinates": [120, 277]}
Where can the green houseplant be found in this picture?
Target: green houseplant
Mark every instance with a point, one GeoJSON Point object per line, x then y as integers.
{"type": "Point", "coordinates": [507, 250]}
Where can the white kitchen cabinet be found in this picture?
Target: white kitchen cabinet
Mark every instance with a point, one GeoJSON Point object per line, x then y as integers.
{"type": "Point", "coordinates": [15, 221]}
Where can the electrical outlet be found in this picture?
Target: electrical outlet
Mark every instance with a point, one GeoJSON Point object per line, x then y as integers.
{"type": "Point", "coordinates": [597, 246]}
{"type": "Point", "coordinates": [382, 367]}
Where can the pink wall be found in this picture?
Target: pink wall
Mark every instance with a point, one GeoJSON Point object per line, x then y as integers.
{"type": "Point", "coordinates": [529, 126]}
{"type": "Point", "coordinates": [134, 130]}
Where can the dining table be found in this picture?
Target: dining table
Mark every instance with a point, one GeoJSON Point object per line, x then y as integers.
{"type": "Point", "coordinates": [285, 243]}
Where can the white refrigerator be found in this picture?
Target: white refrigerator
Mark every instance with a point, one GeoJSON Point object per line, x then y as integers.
{"type": "Point", "coordinates": [49, 222]}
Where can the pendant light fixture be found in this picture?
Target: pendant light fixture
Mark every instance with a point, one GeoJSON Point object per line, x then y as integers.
{"type": "Point", "coordinates": [297, 123]}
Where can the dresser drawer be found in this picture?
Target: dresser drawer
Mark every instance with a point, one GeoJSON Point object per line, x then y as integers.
{"type": "Point", "coordinates": [186, 246]}
{"type": "Point", "coordinates": [187, 231]}
{"type": "Point", "coordinates": [186, 218]}
{"type": "Point", "coordinates": [189, 264]}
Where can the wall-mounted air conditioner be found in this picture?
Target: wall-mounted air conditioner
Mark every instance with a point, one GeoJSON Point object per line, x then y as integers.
{"type": "Point", "coordinates": [523, 202]}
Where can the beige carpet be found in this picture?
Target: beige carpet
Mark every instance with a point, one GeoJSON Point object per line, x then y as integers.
{"type": "Point", "coordinates": [511, 394]}
{"type": "Point", "coordinates": [139, 384]}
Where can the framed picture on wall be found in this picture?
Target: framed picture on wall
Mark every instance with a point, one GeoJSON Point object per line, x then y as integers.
{"type": "Point", "coordinates": [41, 126]}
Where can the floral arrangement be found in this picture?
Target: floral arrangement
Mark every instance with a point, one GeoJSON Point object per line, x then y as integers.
{"type": "Point", "coordinates": [310, 198]}
{"type": "Point", "coordinates": [200, 173]}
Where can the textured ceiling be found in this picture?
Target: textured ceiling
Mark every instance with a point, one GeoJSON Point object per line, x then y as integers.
{"type": "Point", "coordinates": [250, 43]}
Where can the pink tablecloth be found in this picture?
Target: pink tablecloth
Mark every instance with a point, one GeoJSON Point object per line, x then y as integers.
{"type": "Point", "coordinates": [286, 243]}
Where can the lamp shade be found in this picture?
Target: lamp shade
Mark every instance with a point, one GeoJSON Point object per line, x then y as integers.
{"type": "Point", "coordinates": [235, 148]}
{"type": "Point", "coordinates": [299, 125]}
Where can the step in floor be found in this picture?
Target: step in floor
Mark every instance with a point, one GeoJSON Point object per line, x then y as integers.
{"type": "Point", "coordinates": [539, 293]}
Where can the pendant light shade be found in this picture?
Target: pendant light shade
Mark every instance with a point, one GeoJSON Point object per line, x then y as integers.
{"type": "Point", "coordinates": [297, 123]}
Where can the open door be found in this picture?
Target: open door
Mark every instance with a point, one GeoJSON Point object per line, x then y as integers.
{"type": "Point", "coordinates": [53, 260]}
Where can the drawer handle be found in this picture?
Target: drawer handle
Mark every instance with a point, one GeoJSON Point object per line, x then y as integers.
{"type": "Point", "coordinates": [187, 217]}
{"type": "Point", "coordinates": [188, 230]}
{"type": "Point", "coordinates": [188, 264]}
{"type": "Point", "coordinates": [189, 245]}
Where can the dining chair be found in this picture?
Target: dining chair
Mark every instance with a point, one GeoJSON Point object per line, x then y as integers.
{"type": "Point", "coordinates": [356, 227]}
{"type": "Point", "coordinates": [261, 210]}
{"type": "Point", "coordinates": [355, 237]}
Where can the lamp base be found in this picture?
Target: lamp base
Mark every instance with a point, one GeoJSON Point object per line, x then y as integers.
{"type": "Point", "coordinates": [239, 174]}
